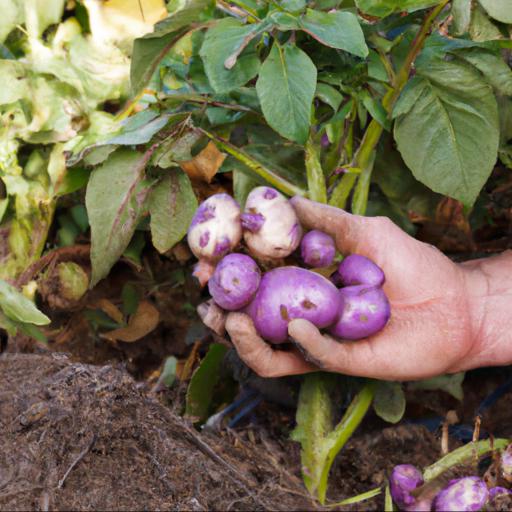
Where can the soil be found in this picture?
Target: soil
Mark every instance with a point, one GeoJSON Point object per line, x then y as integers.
{"type": "Point", "coordinates": [84, 437]}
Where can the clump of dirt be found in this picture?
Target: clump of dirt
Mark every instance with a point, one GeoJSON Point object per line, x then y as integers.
{"type": "Point", "coordinates": [83, 437]}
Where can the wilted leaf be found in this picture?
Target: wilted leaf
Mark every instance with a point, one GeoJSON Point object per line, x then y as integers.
{"type": "Point", "coordinates": [205, 164]}
{"type": "Point", "coordinates": [172, 204]}
{"type": "Point", "coordinates": [389, 401]}
{"type": "Point", "coordinates": [148, 51]}
{"type": "Point", "coordinates": [141, 323]}
{"type": "Point", "coordinates": [17, 307]}
{"type": "Point", "coordinates": [110, 310]}
{"type": "Point", "coordinates": [115, 200]}
{"type": "Point", "coordinates": [286, 87]}
{"type": "Point", "coordinates": [200, 391]}
{"type": "Point", "coordinates": [14, 83]}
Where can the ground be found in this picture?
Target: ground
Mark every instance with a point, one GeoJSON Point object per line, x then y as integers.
{"type": "Point", "coordinates": [85, 437]}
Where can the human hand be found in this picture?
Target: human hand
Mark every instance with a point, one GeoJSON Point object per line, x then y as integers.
{"type": "Point", "coordinates": [432, 326]}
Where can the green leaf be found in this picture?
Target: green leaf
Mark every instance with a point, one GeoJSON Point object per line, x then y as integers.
{"type": "Point", "coordinates": [115, 199]}
{"type": "Point", "coordinates": [286, 87]}
{"type": "Point", "coordinates": [500, 10]}
{"type": "Point", "coordinates": [14, 82]}
{"type": "Point", "coordinates": [18, 308]}
{"type": "Point", "coordinates": [481, 27]}
{"type": "Point", "coordinates": [382, 8]}
{"type": "Point", "coordinates": [447, 128]}
{"type": "Point", "coordinates": [461, 12]}
{"type": "Point", "coordinates": [140, 128]}
{"type": "Point", "coordinates": [225, 68]}
{"type": "Point", "coordinates": [451, 384]}
{"type": "Point", "coordinates": [172, 204]}
{"type": "Point", "coordinates": [168, 375]}
{"type": "Point", "coordinates": [314, 424]}
{"type": "Point", "coordinates": [491, 65]}
{"type": "Point", "coordinates": [339, 29]}
{"type": "Point", "coordinates": [329, 95]}
{"type": "Point", "coordinates": [389, 401]}
{"type": "Point", "coordinates": [148, 51]}
{"type": "Point", "coordinates": [200, 391]}
{"type": "Point", "coordinates": [377, 111]}
{"type": "Point", "coordinates": [293, 5]}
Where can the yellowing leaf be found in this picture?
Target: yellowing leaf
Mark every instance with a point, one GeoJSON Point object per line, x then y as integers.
{"type": "Point", "coordinates": [120, 20]}
{"type": "Point", "coordinates": [205, 165]}
{"type": "Point", "coordinates": [142, 322]}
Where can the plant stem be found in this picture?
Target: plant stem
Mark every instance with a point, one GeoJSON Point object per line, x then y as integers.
{"type": "Point", "coordinates": [268, 175]}
{"type": "Point", "coordinates": [374, 130]}
{"type": "Point", "coordinates": [357, 499]}
{"type": "Point", "coordinates": [463, 454]}
{"type": "Point", "coordinates": [315, 174]}
{"type": "Point", "coordinates": [341, 434]}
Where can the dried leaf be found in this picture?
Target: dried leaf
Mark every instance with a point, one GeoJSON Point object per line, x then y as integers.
{"type": "Point", "coordinates": [110, 309]}
{"type": "Point", "coordinates": [142, 322]}
{"type": "Point", "coordinates": [205, 164]}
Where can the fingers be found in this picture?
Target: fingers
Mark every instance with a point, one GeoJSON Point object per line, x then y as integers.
{"type": "Point", "coordinates": [328, 219]}
{"type": "Point", "coordinates": [259, 355]}
{"type": "Point", "coordinates": [351, 358]}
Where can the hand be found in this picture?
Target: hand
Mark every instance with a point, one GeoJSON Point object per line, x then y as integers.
{"type": "Point", "coordinates": [433, 322]}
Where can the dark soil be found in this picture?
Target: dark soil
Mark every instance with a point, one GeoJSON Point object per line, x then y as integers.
{"type": "Point", "coordinates": [83, 437]}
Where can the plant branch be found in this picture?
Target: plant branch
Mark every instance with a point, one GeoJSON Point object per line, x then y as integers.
{"type": "Point", "coordinates": [267, 174]}
{"type": "Point", "coordinates": [374, 131]}
{"type": "Point", "coordinates": [336, 440]}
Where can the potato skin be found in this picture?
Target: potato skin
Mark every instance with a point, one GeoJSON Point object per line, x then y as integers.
{"type": "Point", "coordinates": [286, 293]}
{"type": "Point", "coordinates": [365, 310]}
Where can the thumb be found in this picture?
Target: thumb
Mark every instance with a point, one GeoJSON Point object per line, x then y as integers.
{"type": "Point", "coordinates": [353, 233]}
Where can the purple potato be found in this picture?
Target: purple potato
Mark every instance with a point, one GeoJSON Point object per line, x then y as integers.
{"type": "Point", "coordinates": [365, 310]}
{"type": "Point", "coordinates": [404, 479]}
{"type": "Point", "coordinates": [271, 228]}
{"type": "Point", "coordinates": [286, 293]}
{"type": "Point", "coordinates": [463, 494]}
{"type": "Point", "coordinates": [498, 491]}
{"type": "Point", "coordinates": [215, 228]}
{"type": "Point", "coordinates": [317, 249]}
{"type": "Point", "coordinates": [356, 269]}
{"type": "Point", "coordinates": [506, 463]}
{"type": "Point", "coordinates": [234, 282]}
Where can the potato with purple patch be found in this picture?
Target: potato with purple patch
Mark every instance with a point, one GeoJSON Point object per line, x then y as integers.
{"type": "Point", "coordinates": [317, 249]}
{"type": "Point", "coordinates": [286, 293]}
{"type": "Point", "coordinates": [466, 494]}
{"type": "Point", "coordinates": [365, 310]}
{"type": "Point", "coordinates": [215, 231]}
{"type": "Point", "coordinates": [234, 282]}
{"type": "Point", "coordinates": [270, 225]}
{"type": "Point", "coordinates": [403, 480]}
{"type": "Point", "coordinates": [356, 269]}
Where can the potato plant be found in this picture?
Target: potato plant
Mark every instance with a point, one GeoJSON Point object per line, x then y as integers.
{"type": "Point", "coordinates": [376, 106]}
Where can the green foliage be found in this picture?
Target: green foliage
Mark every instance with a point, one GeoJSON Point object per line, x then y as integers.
{"type": "Point", "coordinates": [200, 391]}
{"type": "Point", "coordinates": [172, 204]}
{"type": "Point", "coordinates": [447, 128]}
{"type": "Point", "coordinates": [389, 401]}
{"type": "Point", "coordinates": [286, 87]}
{"type": "Point", "coordinates": [115, 200]}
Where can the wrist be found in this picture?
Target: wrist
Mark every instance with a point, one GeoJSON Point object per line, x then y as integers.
{"type": "Point", "coordinates": [489, 298]}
